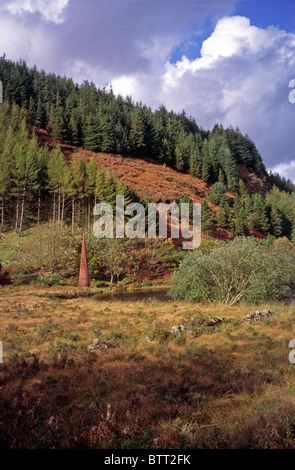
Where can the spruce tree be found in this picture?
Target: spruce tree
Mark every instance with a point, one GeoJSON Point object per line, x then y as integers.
{"type": "Point", "coordinates": [276, 221]}
{"type": "Point", "coordinates": [207, 222]}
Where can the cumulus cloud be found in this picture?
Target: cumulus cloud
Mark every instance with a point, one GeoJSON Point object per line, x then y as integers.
{"type": "Point", "coordinates": [239, 76]}
{"type": "Point", "coordinates": [241, 79]}
{"type": "Point", "coordinates": [50, 10]}
{"type": "Point", "coordinates": [285, 169]}
{"type": "Point", "coordinates": [108, 37]}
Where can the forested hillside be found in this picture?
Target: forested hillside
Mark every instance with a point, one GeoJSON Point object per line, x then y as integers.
{"type": "Point", "coordinates": [38, 183]}
{"type": "Point", "coordinates": [99, 121]}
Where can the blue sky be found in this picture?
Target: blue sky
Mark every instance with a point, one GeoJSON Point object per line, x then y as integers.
{"type": "Point", "coordinates": [225, 61]}
{"type": "Point", "coordinates": [263, 13]}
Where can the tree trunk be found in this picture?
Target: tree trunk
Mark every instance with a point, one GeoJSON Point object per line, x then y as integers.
{"type": "Point", "coordinates": [58, 207]}
{"type": "Point", "coordinates": [62, 207]}
{"type": "Point", "coordinates": [73, 216]}
{"type": "Point", "coordinates": [39, 207]}
{"type": "Point", "coordinates": [22, 213]}
{"type": "Point", "coordinates": [16, 214]}
{"type": "Point", "coordinates": [2, 215]}
{"type": "Point", "coordinates": [53, 215]}
{"type": "Point", "coordinates": [89, 213]}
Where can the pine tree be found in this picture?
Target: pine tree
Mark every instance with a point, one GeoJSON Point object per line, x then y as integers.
{"type": "Point", "coordinates": [5, 171]}
{"type": "Point", "coordinates": [136, 135]}
{"type": "Point", "coordinates": [92, 136]}
{"type": "Point", "coordinates": [58, 182]}
{"type": "Point", "coordinates": [221, 177]}
{"type": "Point", "coordinates": [241, 225]}
{"type": "Point", "coordinates": [100, 188]}
{"type": "Point", "coordinates": [75, 129]}
{"type": "Point", "coordinates": [195, 161]}
{"type": "Point", "coordinates": [221, 218]}
{"type": "Point", "coordinates": [108, 142]}
{"type": "Point", "coordinates": [40, 119]}
{"type": "Point", "coordinates": [258, 218]}
{"type": "Point", "coordinates": [76, 188]}
{"type": "Point", "coordinates": [276, 222]}
{"type": "Point", "coordinates": [207, 173]}
{"type": "Point", "coordinates": [30, 181]}
{"type": "Point", "coordinates": [111, 190]}
{"type": "Point", "coordinates": [207, 222]}
{"type": "Point", "coordinates": [90, 185]}
{"type": "Point", "coordinates": [218, 194]}
{"type": "Point", "coordinates": [55, 124]}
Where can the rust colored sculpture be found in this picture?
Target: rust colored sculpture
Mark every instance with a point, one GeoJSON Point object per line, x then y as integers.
{"type": "Point", "coordinates": [84, 273]}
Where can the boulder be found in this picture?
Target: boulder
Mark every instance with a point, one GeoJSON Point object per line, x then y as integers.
{"type": "Point", "coordinates": [177, 329]}
{"type": "Point", "coordinates": [257, 315]}
{"type": "Point", "coordinates": [96, 344]}
{"type": "Point", "coordinates": [215, 321]}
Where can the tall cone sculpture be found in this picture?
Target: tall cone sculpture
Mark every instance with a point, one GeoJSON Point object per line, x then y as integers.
{"type": "Point", "coordinates": [84, 273]}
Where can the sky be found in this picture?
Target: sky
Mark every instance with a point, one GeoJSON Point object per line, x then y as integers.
{"type": "Point", "coordinates": [221, 61]}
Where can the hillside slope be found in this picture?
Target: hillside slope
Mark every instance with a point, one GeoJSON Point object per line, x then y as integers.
{"type": "Point", "coordinates": [145, 176]}
{"type": "Point", "coordinates": [158, 182]}
{"type": "Point", "coordinates": [148, 178]}
{"type": "Point", "coordinates": [151, 179]}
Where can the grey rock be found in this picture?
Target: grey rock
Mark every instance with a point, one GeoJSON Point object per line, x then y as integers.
{"type": "Point", "coordinates": [257, 316]}
{"type": "Point", "coordinates": [215, 321]}
{"type": "Point", "coordinates": [177, 329]}
{"type": "Point", "coordinates": [96, 344]}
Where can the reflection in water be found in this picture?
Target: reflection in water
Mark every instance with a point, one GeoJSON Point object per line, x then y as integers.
{"type": "Point", "coordinates": [157, 293]}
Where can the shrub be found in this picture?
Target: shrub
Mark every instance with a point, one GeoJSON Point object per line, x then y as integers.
{"type": "Point", "coordinates": [19, 276]}
{"type": "Point", "coordinates": [218, 194]}
{"type": "Point", "coordinates": [245, 268]}
{"type": "Point", "coordinates": [51, 249]}
{"type": "Point", "coordinates": [48, 280]}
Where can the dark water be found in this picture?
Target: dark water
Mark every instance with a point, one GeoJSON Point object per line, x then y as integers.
{"type": "Point", "coordinates": [150, 293]}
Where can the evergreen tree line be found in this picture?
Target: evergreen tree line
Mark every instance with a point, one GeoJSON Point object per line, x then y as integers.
{"type": "Point", "coordinates": [39, 185]}
{"type": "Point", "coordinates": [96, 119]}
{"type": "Point", "coordinates": [273, 214]}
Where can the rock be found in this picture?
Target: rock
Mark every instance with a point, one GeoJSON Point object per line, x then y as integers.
{"type": "Point", "coordinates": [177, 329]}
{"type": "Point", "coordinates": [203, 321]}
{"type": "Point", "coordinates": [257, 315]}
{"type": "Point", "coordinates": [215, 321]}
{"type": "Point", "coordinates": [266, 312]}
{"type": "Point", "coordinates": [96, 344]}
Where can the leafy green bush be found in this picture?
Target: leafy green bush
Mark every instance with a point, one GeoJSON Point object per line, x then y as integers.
{"type": "Point", "coordinates": [117, 259]}
{"type": "Point", "coordinates": [245, 268]}
{"type": "Point", "coordinates": [19, 276]}
{"type": "Point", "coordinates": [48, 280]}
{"type": "Point", "coordinates": [51, 249]}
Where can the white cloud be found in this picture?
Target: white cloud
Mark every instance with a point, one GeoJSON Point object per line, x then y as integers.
{"type": "Point", "coordinates": [241, 79]}
{"type": "Point", "coordinates": [285, 169]}
{"type": "Point", "coordinates": [19, 42]}
{"type": "Point", "coordinates": [50, 10]}
{"type": "Point", "coordinates": [240, 76]}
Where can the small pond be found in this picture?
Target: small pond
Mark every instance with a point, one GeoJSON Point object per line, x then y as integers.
{"type": "Point", "coordinates": [147, 293]}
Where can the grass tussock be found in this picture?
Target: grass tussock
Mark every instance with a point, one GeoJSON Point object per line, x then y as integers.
{"type": "Point", "coordinates": [229, 385]}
